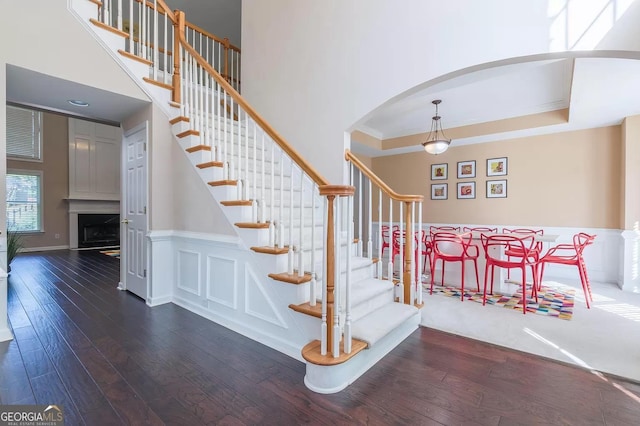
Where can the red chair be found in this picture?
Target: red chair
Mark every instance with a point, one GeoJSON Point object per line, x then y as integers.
{"type": "Point", "coordinates": [571, 254]}
{"type": "Point", "coordinates": [427, 251]}
{"type": "Point", "coordinates": [495, 245]}
{"type": "Point", "coordinates": [385, 238]}
{"type": "Point", "coordinates": [480, 229]}
{"type": "Point", "coordinates": [434, 229]}
{"type": "Point", "coordinates": [514, 251]}
{"type": "Point", "coordinates": [451, 247]}
{"type": "Point", "coordinates": [398, 243]}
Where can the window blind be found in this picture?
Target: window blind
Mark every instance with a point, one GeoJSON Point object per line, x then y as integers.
{"type": "Point", "coordinates": [23, 133]}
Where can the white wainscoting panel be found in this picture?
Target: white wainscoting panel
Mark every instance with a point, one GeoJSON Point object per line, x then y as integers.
{"type": "Point", "coordinates": [222, 281]}
{"type": "Point", "coordinates": [257, 301]}
{"type": "Point", "coordinates": [216, 277]}
{"type": "Point", "coordinates": [189, 271]}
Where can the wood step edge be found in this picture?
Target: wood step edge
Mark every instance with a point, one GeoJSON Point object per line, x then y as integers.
{"type": "Point", "coordinates": [135, 57]}
{"type": "Point", "coordinates": [307, 309]}
{"type": "Point", "coordinates": [291, 278]}
{"type": "Point", "coordinates": [311, 353]}
{"type": "Point", "coordinates": [223, 183]}
{"type": "Point", "coordinates": [174, 104]}
{"type": "Point", "coordinates": [108, 28]}
{"type": "Point", "coordinates": [271, 250]}
{"type": "Point", "coordinates": [197, 148]}
{"type": "Point", "coordinates": [96, 2]}
{"type": "Point", "coordinates": [251, 225]}
{"type": "Point", "coordinates": [158, 83]}
{"type": "Point", "coordinates": [189, 132]}
{"type": "Point", "coordinates": [232, 203]}
{"type": "Point", "coordinates": [179, 119]}
{"type": "Point", "coordinates": [210, 164]}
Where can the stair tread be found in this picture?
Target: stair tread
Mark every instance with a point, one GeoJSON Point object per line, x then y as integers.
{"type": "Point", "coordinates": [377, 324]}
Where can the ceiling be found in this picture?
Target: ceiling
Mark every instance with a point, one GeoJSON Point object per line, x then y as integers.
{"type": "Point", "coordinates": [596, 91]}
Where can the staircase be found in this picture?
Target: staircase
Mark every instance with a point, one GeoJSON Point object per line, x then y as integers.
{"type": "Point", "coordinates": [297, 230]}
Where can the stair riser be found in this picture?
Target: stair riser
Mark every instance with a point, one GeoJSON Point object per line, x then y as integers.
{"type": "Point", "coordinates": [365, 307]}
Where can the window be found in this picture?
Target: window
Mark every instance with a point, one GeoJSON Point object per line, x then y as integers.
{"type": "Point", "coordinates": [24, 200]}
{"type": "Point", "coordinates": [24, 140]}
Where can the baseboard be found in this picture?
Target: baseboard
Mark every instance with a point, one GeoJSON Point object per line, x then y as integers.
{"type": "Point", "coordinates": [157, 301]}
{"type": "Point", "coordinates": [5, 335]}
{"type": "Point", "coordinates": [47, 248]}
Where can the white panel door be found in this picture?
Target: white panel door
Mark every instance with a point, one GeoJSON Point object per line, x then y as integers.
{"type": "Point", "coordinates": [134, 221]}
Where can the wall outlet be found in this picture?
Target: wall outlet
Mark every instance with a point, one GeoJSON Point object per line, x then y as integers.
{"type": "Point", "coordinates": [57, 236]}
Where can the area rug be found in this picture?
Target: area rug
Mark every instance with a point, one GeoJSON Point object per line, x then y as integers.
{"type": "Point", "coordinates": [552, 301]}
{"type": "Point", "coordinates": [112, 253]}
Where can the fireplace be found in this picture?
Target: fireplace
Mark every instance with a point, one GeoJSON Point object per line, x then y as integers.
{"type": "Point", "coordinates": [98, 230]}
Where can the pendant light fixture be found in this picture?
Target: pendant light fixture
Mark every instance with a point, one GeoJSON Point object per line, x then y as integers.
{"type": "Point", "coordinates": [436, 142]}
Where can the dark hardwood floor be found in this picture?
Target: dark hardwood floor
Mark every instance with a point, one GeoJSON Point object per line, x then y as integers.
{"type": "Point", "coordinates": [107, 358]}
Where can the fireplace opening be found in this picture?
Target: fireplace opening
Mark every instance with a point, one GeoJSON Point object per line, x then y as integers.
{"type": "Point", "coordinates": [98, 230]}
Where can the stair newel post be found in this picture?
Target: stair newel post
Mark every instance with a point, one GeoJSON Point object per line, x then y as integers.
{"type": "Point", "coordinates": [420, 265]}
{"type": "Point", "coordinates": [178, 33]}
{"type": "Point", "coordinates": [407, 282]}
{"type": "Point", "coordinates": [301, 238]}
{"type": "Point", "coordinates": [331, 325]}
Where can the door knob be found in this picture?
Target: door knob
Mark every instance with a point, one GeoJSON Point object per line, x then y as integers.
{"type": "Point", "coordinates": [125, 220]}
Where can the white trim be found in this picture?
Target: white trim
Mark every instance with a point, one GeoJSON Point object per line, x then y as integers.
{"type": "Point", "coordinates": [168, 235]}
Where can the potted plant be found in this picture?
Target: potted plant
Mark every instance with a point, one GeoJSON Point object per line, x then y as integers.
{"type": "Point", "coordinates": [14, 244]}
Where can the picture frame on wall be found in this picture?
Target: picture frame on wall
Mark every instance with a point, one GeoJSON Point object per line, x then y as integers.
{"type": "Point", "coordinates": [497, 166]}
{"type": "Point", "coordinates": [466, 190]}
{"type": "Point", "coordinates": [439, 191]}
{"type": "Point", "coordinates": [497, 188]}
{"type": "Point", "coordinates": [439, 171]}
{"type": "Point", "coordinates": [466, 169]}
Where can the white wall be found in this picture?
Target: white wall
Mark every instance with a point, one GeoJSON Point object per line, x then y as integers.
{"type": "Point", "coordinates": [313, 69]}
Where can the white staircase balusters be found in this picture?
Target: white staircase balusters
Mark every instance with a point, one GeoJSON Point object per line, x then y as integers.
{"type": "Point", "coordinates": [263, 213]}
{"type": "Point", "coordinates": [247, 173]}
{"type": "Point", "coordinates": [324, 343]}
{"type": "Point", "coordinates": [301, 238]}
{"type": "Point", "coordinates": [291, 241]}
{"type": "Point", "coordinates": [369, 221]}
{"type": "Point", "coordinates": [347, 301]}
{"type": "Point", "coordinates": [380, 241]}
{"type": "Point", "coordinates": [401, 238]}
{"type": "Point", "coordinates": [420, 266]}
{"type": "Point", "coordinates": [272, 225]}
{"type": "Point", "coordinates": [312, 285]}
{"type": "Point", "coordinates": [390, 263]}
{"type": "Point", "coordinates": [156, 47]}
{"type": "Point", "coordinates": [360, 206]}
{"type": "Point", "coordinates": [337, 224]}
{"type": "Point", "coordinates": [281, 206]}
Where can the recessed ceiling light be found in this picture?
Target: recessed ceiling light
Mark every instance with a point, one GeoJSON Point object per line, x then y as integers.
{"type": "Point", "coordinates": [76, 102]}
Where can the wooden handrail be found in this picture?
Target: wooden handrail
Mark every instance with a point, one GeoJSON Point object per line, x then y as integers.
{"type": "Point", "coordinates": [166, 9]}
{"type": "Point", "coordinates": [208, 34]}
{"type": "Point", "coordinates": [284, 145]}
{"type": "Point", "coordinates": [375, 179]}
